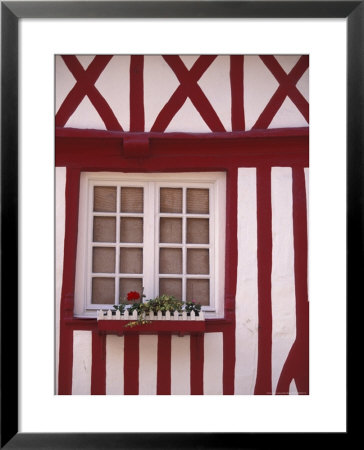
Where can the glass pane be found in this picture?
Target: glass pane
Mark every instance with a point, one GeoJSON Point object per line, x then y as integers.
{"type": "Point", "coordinates": [131, 260]}
{"type": "Point", "coordinates": [103, 291]}
{"type": "Point", "coordinates": [130, 284]}
{"type": "Point", "coordinates": [131, 229]}
{"type": "Point", "coordinates": [104, 199]}
{"type": "Point", "coordinates": [170, 230]}
{"type": "Point", "coordinates": [199, 290]}
{"type": "Point", "coordinates": [131, 200]}
{"type": "Point", "coordinates": [104, 229]}
{"type": "Point", "coordinates": [103, 260]}
{"type": "Point", "coordinates": [171, 200]}
{"type": "Point", "coordinates": [197, 231]}
{"type": "Point", "coordinates": [198, 261]}
{"type": "Point", "coordinates": [197, 201]}
{"type": "Point", "coordinates": [170, 260]}
{"type": "Point", "coordinates": [171, 286]}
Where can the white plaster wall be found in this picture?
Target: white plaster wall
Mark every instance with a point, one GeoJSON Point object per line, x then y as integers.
{"type": "Point", "coordinates": [246, 332]}
{"type": "Point", "coordinates": [160, 83]}
{"type": "Point", "coordinates": [213, 364]}
{"type": "Point", "coordinates": [148, 352]}
{"type": "Point", "coordinates": [114, 365]}
{"type": "Point", "coordinates": [82, 362]}
{"type": "Point", "coordinates": [283, 280]}
{"type": "Point", "coordinates": [180, 365]}
{"type": "Point", "coordinates": [60, 186]}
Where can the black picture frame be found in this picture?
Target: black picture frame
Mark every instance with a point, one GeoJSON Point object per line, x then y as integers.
{"type": "Point", "coordinates": [11, 13]}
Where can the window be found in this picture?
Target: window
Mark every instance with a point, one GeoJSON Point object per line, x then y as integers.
{"type": "Point", "coordinates": [161, 232]}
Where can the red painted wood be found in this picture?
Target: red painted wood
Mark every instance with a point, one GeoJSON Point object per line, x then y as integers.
{"type": "Point", "coordinates": [228, 375]}
{"type": "Point", "coordinates": [68, 282]}
{"type": "Point", "coordinates": [98, 370]}
{"type": "Point", "coordinates": [237, 92]}
{"type": "Point", "coordinates": [196, 361]}
{"type": "Point", "coordinates": [188, 88]}
{"type": "Point", "coordinates": [65, 360]}
{"type": "Point", "coordinates": [136, 93]}
{"type": "Point", "coordinates": [85, 86]}
{"type": "Point", "coordinates": [263, 383]}
{"type": "Point", "coordinates": [231, 266]}
{"type": "Point", "coordinates": [131, 365]}
{"type": "Point", "coordinates": [287, 88]}
{"type": "Point", "coordinates": [172, 137]}
{"type": "Point", "coordinates": [164, 365]}
{"type": "Point", "coordinates": [106, 154]}
{"type": "Point", "coordinates": [297, 364]}
{"type": "Point", "coordinates": [179, 327]}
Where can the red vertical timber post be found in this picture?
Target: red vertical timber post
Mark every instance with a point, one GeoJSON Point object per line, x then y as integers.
{"type": "Point", "coordinates": [263, 385]}
{"type": "Point", "coordinates": [136, 93]}
{"type": "Point", "coordinates": [98, 371]}
{"type": "Point", "coordinates": [68, 282]}
{"type": "Point", "coordinates": [231, 263]}
{"type": "Point", "coordinates": [131, 364]}
{"type": "Point", "coordinates": [197, 358]}
{"type": "Point", "coordinates": [237, 92]}
{"type": "Point", "coordinates": [164, 365]}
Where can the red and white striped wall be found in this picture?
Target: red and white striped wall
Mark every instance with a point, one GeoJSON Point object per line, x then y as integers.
{"type": "Point", "coordinates": [264, 350]}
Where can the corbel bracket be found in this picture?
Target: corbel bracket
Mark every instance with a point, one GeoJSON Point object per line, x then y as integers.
{"type": "Point", "coordinates": [135, 146]}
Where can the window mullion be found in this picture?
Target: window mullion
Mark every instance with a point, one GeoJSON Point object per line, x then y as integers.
{"type": "Point", "coordinates": [117, 246]}
{"type": "Point", "coordinates": [184, 251]}
{"type": "Point", "coordinates": [148, 238]}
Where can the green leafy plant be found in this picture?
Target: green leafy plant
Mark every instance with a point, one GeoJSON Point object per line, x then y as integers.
{"type": "Point", "coordinates": [161, 303]}
{"type": "Point", "coordinates": [193, 306]}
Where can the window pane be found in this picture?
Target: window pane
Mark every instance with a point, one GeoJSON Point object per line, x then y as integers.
{"type": "Point", "coordinates": [171, 200]}
{"type": "Point", "coordinates": [199, 290]}
{"type": "Point", "coordinates": [197, 231]}
{"type": "Point", "coordinates": [170, 260]}
{"type": "Point", "coordinates": [131, 200]}
{"type": "Point", "coordinates": [170, 230]}
{"type": "Point", "coordinates": [130, 284]}
{"type": "Point", "coordinates": [198, 261]}
{"type": "Point", "coordinates": [171, 286]}
{"type": "Point", "coordinates": [131, 260]}
{"type": "Point", "coordinates": [103, 260]}
{"type": "Point", "coordinates": [103, 291]}
{"type": "Point", "coordinates": [104, 229]}
{"type": "Point", "coordinates": [197, 201]}
{"type": "Point", "coordinates": [131, 229]}
{"type": "Point", "coordinates": [104, 199]}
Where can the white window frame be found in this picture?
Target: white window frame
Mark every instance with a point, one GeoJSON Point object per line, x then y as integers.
{"type": "Point", "coordinates": [152, 182]}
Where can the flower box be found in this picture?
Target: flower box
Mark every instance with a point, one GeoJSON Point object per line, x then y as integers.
{"type": "Point", "coordinates": [179, 324]}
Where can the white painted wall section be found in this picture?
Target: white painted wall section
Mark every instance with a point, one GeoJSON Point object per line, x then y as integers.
{"type": "Point", "coordinates": [114, 365]}
{"type": "Point", "coordinates": [283, 280]}
{"type": "Point", "coordinates": [213, 364]}
{"type": "Point", "coordinates": [60, 186]}
{"type": "Point", "coordinates": [82, 360]}
{"type": "Point", "coordinates": [148, 354]}
{"type": "Point", "coordinates": [246, 332]}
{"type": "Point", "coordinates": [180, 365]}
{"type": "Point", "coordinates": [293, 388]}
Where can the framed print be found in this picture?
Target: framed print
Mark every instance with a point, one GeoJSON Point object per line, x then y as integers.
{"type": "Point", "coordinates": [158, 252]}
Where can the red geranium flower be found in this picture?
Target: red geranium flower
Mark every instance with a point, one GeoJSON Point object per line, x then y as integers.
{"type": "Point", "coordinates": [133, 295]}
